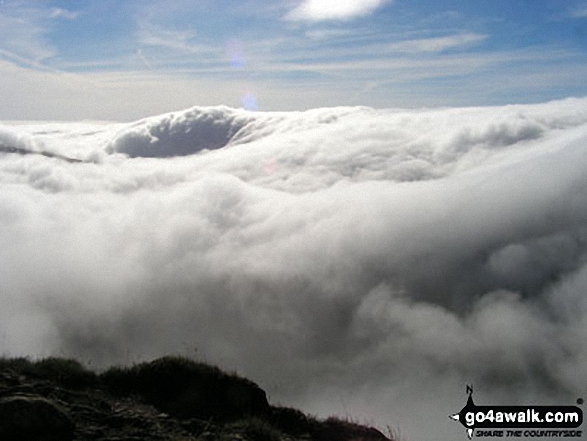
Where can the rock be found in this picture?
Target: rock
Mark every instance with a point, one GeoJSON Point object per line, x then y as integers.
{"type": "Point", "coordinates": [33, 419]}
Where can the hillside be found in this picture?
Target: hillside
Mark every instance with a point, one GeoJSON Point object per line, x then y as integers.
{"type": "Point", "coordinates": [171, 398]}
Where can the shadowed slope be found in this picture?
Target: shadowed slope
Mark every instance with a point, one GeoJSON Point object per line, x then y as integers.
{"type": "Point", "coordinates": [182, 133]}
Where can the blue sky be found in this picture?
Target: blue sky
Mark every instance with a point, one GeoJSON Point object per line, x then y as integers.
{"type": "Point", "coordinates": [115, 59]}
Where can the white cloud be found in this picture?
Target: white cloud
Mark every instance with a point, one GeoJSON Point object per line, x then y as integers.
{"type": "Point", "coordinates": [437, 44]}
{"type": "Point", "coordinates": [181, 41]}
{"type": "Point", "coordinates": [23, 33]}
{"type": "Point", "coordinates": [318, 10]}
{"type": "Point", "coordinates": [324, 34]}
{"type": "Point", "coordinates": [580, 12]}
{"type": "Point", "coordinates": [347, 259]}
{"type": "Point", "coordinates": [64, 13]}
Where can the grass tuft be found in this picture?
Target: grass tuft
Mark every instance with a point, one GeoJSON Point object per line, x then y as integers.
{"type": "Point", "coordinates": [64, 371]}
{"type": "Point", "coordinates": [188, 389]}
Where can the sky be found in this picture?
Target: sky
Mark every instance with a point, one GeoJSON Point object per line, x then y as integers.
{"type": "Point", "coordinates": [123, 60]}
{"type": "Point", "coordinates": [363, 206]}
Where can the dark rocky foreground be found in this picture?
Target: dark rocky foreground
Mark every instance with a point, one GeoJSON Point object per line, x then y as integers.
{"type": "Point", "coordinates": [171, 398]}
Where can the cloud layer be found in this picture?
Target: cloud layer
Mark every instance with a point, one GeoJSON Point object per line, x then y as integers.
{"type": "Point", "coordinates": [350, 260]}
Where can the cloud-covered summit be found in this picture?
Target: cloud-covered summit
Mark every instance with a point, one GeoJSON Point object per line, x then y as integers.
{"type": "Point", "coordinates": [349, 260]}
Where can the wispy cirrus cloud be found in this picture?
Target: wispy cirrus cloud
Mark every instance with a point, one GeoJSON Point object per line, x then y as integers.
{"type": "Point", "coordinates": [438, 44]}
{"type": "Point", "coordinates": [151, 35]}
{"type": "Point", "coordinates": [23, 33]}
{"type": "Point", "coordinates": [319, 10]}
{"type": "Point", "coordinates": [64, 13]}
{"type": "Point", "coordinates": [24, 30]}
{"type": "Point", "coordinates": [325, 34]}
{"type": "Point", "coordinates": [579, 10]}
{"type": "Point", "coordinates": [160, 34]}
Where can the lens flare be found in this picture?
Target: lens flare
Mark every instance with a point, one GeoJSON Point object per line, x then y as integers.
{"type": "Point", "coordinates": [234, 50]}
{"type": "Point", "coordinates": [250, 102]}
{"type": "Point", "coordinates": [270, 167]}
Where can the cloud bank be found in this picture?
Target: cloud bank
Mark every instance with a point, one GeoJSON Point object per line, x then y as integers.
{"type": "Point", "coordinates": [349, 260]}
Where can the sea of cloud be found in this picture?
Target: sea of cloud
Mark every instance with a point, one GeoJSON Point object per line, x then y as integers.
{"type": "Point", "coordinates": [352, 261]}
